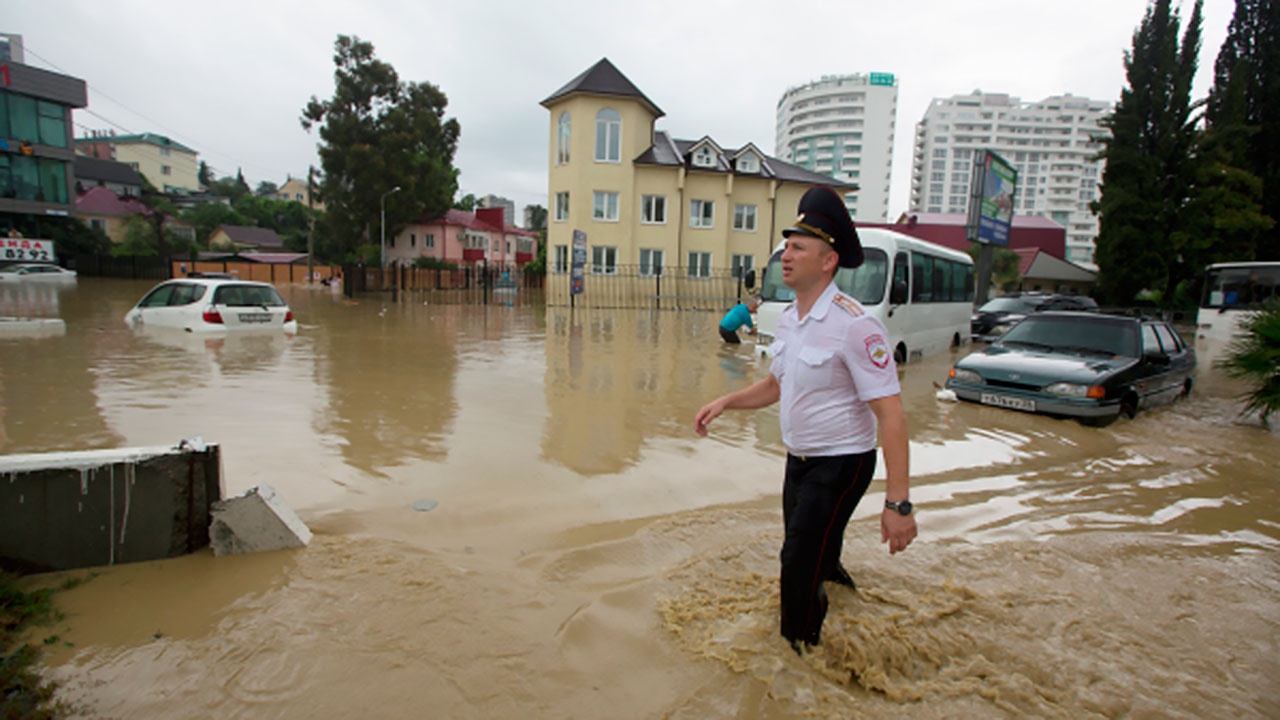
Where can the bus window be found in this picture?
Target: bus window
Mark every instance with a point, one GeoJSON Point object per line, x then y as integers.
{"type": "Point", "coordinates": [922, 278]}
{"type": "Point", "coordinates": [901, 274]}
{"type": "Point", "coordinates": [1232, 287]}
{"type": "Point", "coordinates": [866, 282]}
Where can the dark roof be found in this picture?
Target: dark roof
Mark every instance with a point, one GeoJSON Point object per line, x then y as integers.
{"type": "Point", "coordinates": [98, 170]}
{"type": "Point", "coordinates": [602, 79]}
{"type": "Point", "coordinates": [669, 152]}
{"type": "Point", "coordinates": [256, 236]}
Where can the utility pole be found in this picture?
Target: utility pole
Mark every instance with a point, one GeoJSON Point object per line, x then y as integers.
{"type": "Point", "coordinates": [311, 219]}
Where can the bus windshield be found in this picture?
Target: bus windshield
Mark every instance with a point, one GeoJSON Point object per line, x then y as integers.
{"type": "Point", "coordinates": [1241, 286]}
{"type": "Point", "coordinates": [866, 283]}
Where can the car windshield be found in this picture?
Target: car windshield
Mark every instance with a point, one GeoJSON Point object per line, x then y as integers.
{"type": "Point", "coordinates": [247, 296]}
{"type": "Point", "coordinates": [1021, 305]}
{"type": "Point", "coordinates": [1071, 333]}
{"type": "Point", "coordinates": [12, 269]}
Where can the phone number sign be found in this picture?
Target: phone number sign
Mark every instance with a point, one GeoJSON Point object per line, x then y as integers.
{"type": "Point", "coordinates": [22, 249]}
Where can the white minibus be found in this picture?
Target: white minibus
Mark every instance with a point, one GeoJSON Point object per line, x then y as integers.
{"type": "Point", "coordinates": [1232, 292]}
{"type": "Point", "coordinates": [922, 292]}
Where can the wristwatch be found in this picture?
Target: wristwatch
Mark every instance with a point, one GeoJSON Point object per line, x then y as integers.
{"type": "Point", "coordinates": [903, 507]}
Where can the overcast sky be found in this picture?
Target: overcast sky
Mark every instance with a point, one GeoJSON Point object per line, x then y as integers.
{"type": "Point", "coordinates": [230, 78]}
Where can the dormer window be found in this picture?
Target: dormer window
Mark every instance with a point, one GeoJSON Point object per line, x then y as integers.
{"type": "Point", "coordinates": [748, 164]}
{"type": "Point", "coordinates": [704, 157]}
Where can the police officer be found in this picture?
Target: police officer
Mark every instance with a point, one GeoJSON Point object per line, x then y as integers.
{"type": "Point", "coordinates": [834, 373]}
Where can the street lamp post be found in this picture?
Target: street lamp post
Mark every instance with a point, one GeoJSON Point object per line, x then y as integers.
{"type": "Point", "coordinates": [382, 206]}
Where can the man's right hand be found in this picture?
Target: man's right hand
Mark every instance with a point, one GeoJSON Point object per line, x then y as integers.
{"type": "Point", "coordinates": [709, 412]}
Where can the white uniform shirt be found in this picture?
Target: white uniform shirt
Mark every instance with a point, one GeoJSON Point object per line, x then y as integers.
{"type": "Point", "coordinates": [829, 365]}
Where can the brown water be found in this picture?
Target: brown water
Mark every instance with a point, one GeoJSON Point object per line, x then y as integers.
{"type": "Point", "coordinates": [591, 557]}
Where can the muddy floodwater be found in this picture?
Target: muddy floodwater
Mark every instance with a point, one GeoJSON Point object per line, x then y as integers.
{"type": "Point", "coordinates": [588, 556]}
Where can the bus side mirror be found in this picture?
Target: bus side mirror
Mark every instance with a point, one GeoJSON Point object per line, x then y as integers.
{"type": "Point", "coordinates": [749, 280]}
{"type": "Point", "coordinates": [898, 294]}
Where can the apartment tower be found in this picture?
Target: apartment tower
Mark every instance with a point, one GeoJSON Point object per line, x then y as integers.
{"type": "Point", "coordinates": [1053, 143]}
{"type": "Point", "coordinates": [842, 126]}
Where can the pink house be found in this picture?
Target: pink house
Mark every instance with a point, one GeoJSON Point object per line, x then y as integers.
{"type": "Point", "coordinates": [463, 238]}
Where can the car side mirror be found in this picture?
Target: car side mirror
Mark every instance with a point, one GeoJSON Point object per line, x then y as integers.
{"type": "Point", "coordinates": [898, 293]}
{"type": "Point", "coordinates": [1158, 358]}
{"type": "Point", "coordinates": [749, 280]}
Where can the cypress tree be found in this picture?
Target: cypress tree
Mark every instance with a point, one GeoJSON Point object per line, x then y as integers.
{"type": "Point", "coordinates": [1243, 127]}
{"type": "Point", "coordinates": [1150, 161]}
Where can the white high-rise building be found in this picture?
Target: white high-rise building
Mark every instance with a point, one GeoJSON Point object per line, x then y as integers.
{"type": "Point", "coordinates": [842, 126]}
{"type": "Point", "coordinates": [1053, 144]}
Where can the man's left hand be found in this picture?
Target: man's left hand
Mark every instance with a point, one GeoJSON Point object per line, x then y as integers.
{"type": "Point", "coordinates": [897, 529]}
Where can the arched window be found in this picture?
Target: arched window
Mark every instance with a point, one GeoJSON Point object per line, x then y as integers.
{"type": "Point", "coordinates": [562, 139]}
{"type": "Point", "coordinates": [608, 136]}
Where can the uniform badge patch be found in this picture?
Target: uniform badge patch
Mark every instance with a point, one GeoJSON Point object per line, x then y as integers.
{"type": "Point", "coordinates": [878, 351]}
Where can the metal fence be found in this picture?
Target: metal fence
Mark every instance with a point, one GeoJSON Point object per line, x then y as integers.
{"type": "Point", "coordinates": [633, 286]}
{"type": "Point", "coordinates": [621, 287]}
{"type": "Point", "coordinates": [151, 267]}
{"type": "Point", "coordinates": [466, 285]}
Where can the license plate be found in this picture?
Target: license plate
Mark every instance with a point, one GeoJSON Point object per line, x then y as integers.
{"type": "Point", "coordinates": [255, 318]}
{"type": "Point", "coordinates": [1008, 402]}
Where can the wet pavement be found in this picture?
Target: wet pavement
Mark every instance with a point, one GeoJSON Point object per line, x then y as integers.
{"type": "Point", "coordinates": [590, 556]}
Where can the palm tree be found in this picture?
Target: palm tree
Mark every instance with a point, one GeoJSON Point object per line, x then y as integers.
{"type": "Point", "coordinates": [1255, 358]}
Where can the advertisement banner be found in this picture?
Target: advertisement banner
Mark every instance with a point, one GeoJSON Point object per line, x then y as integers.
{"type": "Point", "coordinates": [995, 210]}
{"type": "Point", "coordinates": [26, 250]}
{"type": "Point", "coordinates": [578, 268]}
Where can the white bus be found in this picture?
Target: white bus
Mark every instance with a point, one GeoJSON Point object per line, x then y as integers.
{"type": "Point", "coordinates": [1232, 292]}
{"type": "Point", "coordinates": [922, 292]}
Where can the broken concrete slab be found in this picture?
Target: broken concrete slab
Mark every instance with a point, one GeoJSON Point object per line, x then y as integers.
{"type": "Point", "coordinates": [255, 521]}
{"type": "Point", "coordinates": [65, 510]}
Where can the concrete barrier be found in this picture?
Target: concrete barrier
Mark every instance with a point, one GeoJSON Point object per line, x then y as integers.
{"type": "Point", "coordinates": [255, 521]}
{"type": "Point", "coordinates": [101, 507]}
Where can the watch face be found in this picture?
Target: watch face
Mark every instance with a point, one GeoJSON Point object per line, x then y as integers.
{"type": "Point", "coordinates": [903, 507]}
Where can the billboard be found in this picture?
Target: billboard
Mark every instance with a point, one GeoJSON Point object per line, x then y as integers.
{"type": "Point", "coordinates": [25, 250]}
{"type": "Point", "coordinates": [995, 183]}
{"type": "Point", "coordinates": [578, 269]}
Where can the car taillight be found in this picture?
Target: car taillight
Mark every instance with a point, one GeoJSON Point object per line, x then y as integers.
{"type": "Point", "coordinates": [288, 316]}
{"type": "Point", "coordinates": [212, 317]}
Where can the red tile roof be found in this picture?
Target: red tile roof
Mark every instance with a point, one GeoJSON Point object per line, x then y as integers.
{"type": "Point", "coordinates": [101, 201]}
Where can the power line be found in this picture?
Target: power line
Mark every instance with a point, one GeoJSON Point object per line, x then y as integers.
{"type": "Point", "coordinates": [96, 90]}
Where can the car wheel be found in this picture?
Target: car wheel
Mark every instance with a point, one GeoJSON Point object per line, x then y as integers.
{"type": "Point", "coordinates": [900, 354]}
{"type": "Point", "coordinates": [1129, 406]}
{"type": "Point", "coordinates": [1186, 387]}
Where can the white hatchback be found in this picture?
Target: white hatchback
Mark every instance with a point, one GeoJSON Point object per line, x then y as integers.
{"type": "Point", "coordinates": [213, 304]}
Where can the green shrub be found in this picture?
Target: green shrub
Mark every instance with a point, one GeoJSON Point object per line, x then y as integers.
{"type": "Point", "coordinates": [23, 693]}
{"type": "Point", "coordinates": [1255, 358]}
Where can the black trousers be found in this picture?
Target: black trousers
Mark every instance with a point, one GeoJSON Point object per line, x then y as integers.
{"type": "Point", "coordinates": [730, 336]}
{"type": "Point", "coordinates": [819, 495]}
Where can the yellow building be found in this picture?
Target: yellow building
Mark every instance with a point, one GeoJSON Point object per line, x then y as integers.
{"type": "Point", "coordinates": [689, 214]}
{"type": "Point", "coordinates": [295, 190]}
{"type": "Point", "coordinates": [168, 165]}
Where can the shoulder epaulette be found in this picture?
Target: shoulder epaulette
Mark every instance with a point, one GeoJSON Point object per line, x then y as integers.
{"type": "Point", "coordinates": [850, 306]}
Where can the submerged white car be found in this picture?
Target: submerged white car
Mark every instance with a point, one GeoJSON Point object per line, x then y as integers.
{"type": "Point", "coordinates": [213, 305]}
{"type": "Point", "coordinates": [35, 271]}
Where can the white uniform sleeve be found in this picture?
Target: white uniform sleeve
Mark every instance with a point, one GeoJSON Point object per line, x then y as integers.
{"type": "Point", "coordinates": [869, 357]}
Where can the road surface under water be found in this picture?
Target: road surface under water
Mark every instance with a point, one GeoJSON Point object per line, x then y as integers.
{"type": "Point", "coordinates": [589, 556]}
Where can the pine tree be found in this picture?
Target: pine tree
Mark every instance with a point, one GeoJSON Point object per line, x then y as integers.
{"type": "Point", "coordinates": [378, 133]}
{"type": "Point", "coordinates": [1150, 160]}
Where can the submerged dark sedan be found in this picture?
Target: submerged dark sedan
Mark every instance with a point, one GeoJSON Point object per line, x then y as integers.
{"type": "Point", "coordinates": [1085, 365]}
{"type": "Point", "coordinates": [989, 322]}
